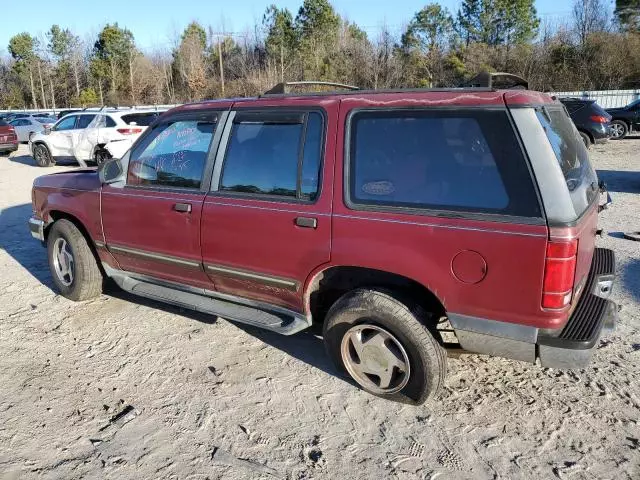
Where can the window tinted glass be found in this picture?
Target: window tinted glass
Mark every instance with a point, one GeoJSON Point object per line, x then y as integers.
{"type": "Point", "coordinates": [3, 123]}
{"type": "Point", "coordinates": [445, 160]}
{"type": "Point", "coordinates": [67, 123]}
{"type": "Point", "coordinates": [85, 120]}
{"type": "Point", "coordinates": [173, 155]}
{"type": "Point", "coordinates": [572, 157]}
{"type": "Point", "coordinates": [142, 119]}
{"type": "Point", "coordinates": [274, 159]}
{"type": "Point", "coordinates": [109, 122]}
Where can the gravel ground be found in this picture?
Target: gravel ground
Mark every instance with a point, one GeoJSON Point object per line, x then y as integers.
{"type": "Point", "coordinates": [205, 398]}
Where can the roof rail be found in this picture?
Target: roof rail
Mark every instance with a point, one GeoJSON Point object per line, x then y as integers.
{"type": "Point", "coordinates": [497, 80]}
{"type": "Point", "coordinates": [281, 88]}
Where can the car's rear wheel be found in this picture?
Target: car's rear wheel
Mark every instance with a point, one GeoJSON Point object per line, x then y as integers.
{"type": "Point", "coordinates": [585, 139]}
{"type": "Point", "coordinates": [618, 129]}
{"type": "Point", "coordinates": [383, 343]}
{"type": "Point", "coordinates": [42, 155]}
{"type": "Point", "coordinates": [73, 266]}
{"type": "Point", "coordinates": [101, 156]}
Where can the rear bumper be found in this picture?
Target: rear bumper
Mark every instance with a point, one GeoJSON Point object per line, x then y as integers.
{"type": "Point", "coordinates": [568, 347]}
{"type": "Point", "coordinates": [8, 147]}
{"type": "Point", "coordinates": [594, 314]}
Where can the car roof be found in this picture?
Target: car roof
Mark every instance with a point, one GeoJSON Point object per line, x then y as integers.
{"type": "Point", "coordinates": [459, 97]}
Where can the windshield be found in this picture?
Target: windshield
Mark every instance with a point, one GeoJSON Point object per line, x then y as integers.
{"type": "Point", "coordinates": [633, 104]}
{"type": "Point", "coordinates": [572, 157]}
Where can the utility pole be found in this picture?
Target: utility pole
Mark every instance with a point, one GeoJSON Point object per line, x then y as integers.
{"type": "Point", "coordinates": [221, 39]}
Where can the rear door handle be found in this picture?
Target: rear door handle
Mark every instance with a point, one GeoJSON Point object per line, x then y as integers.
{"type": "Point", "coordinates": [307, 222]}
{"type": "Point", "coordinates": [182, 207]}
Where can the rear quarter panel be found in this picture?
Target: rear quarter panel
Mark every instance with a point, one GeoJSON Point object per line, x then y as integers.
{"type": "Point", "coordinates": [423, 247]}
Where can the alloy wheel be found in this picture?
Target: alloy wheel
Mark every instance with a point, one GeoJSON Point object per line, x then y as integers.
{"type": "Point", "coordinates": [63, 261]}
{"type": "Point", "coordinates": [375, 359]}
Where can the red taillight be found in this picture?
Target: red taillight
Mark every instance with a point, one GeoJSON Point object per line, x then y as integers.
{"type": "Point", "coordinates": [129, 131]}
{"type": "Point", "coordinates": [599, 119]}
{"type": "Point", "coordinates": [559, 274]}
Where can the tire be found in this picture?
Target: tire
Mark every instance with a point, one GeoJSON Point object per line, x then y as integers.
{"type": "Point", "coordinates": [42, 155]}
{"type": "Point", "coordinates": [101, 156]}
{"type": "Point", "coordinates": [85, 281]}
{"type": "Point", "coordinates": [376, 314]}
{"type": "Point", "coordinates": [586, 139]}
{"type": "Point", "coordinates": [618, 129]}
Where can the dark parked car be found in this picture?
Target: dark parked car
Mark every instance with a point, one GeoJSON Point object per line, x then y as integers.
{"type": "Point", "coordinates": [67, 112]}
{"type": "Point", "coordinates": [375, 215]}
{"type": "Point", "coordinates": [591, 120]}
{"type": "Point", "coordinates": [625, 120]}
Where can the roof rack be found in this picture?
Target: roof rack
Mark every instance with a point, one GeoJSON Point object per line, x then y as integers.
{"type": "Point", "coordinates": [281, 88]}
{"type": "Point", "coordinates": [497, 80]}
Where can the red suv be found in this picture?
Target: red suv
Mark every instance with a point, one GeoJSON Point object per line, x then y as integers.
{"type": "Point", "coordinates": [8, 138]}
{"type": "Point", "coordinates": [386, 217]}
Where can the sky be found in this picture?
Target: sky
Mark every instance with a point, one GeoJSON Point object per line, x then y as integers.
{"type": "Point", "coordinates": [158, 23]}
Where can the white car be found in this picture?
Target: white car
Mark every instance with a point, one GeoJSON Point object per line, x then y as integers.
{"type": "Point", "coordinates": [26, 126]}
{"type": "Point", "coordinates": [81, 136]}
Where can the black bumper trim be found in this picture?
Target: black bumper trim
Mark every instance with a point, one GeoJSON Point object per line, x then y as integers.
{"type": "Point", "coordinates": [585, 325]}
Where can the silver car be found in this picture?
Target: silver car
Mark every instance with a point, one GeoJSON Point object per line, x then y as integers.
{"type": "Point", "coordinates": [26, 126]}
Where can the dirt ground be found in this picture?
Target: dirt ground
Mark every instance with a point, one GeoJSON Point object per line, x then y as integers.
{"type": "Point", "coordinates": [128, 388]}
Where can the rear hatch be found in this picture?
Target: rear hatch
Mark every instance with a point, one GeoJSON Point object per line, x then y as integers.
{"type": "Point", "coordinates": [581, 185]}
{"type": "Point", "coordinates": [7, 133]}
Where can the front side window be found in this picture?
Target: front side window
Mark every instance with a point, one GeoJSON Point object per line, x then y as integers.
{"type": "Point", "coordinates": [571, 155]}
{"type": "Point", "coordinates": [67, 123]}
{"type": "Point", "coordinates": [451, 160]}
{"type": "Point", "coordinates": [274, 154]}
{"type": "Point", "coordinates": [173, 155]}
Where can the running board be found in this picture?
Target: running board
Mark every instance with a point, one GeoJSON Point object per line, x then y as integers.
{"type": "Point", "coordinates": [276, 319]}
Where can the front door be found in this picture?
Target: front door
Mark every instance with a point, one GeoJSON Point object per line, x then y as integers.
{"type": "Point", "coordinates": [267, 221]}
{"type": "Point", "coordinates": [152, 223]}
{"type": "Point", "coordinates": [60, 139]}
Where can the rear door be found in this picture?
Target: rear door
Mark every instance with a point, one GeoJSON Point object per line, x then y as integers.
{"type": "Point", "coordinates": [266, 222]}
{"type": "Point", "coordinates": [152, 223]}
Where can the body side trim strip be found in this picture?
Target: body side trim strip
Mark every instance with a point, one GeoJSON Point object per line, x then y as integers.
{"type": "Point", "coordinates": [244, 275]}
{"type": "Point", "coordinates": [267, 208]}
{"type": "Point", "coordinates": [154, 256]}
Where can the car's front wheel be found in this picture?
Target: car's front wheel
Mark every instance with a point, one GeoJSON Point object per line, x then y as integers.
{"type": "Point", "coordinates": [42, 155]}
{"type": "Point", "coordinates": [73, 266]}
{"type": "Point", "coordinates": [618, 129]}
{"type": "Point", "coordinates": [383, 343]}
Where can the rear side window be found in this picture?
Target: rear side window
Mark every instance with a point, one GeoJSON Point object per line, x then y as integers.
{"type": "Point", "coordinates": [572, 157]}
{"type": "Point", "coordinates": [173, 155]}
{"type": "Point", "coordinates": [274, 154]}
{"type": "Point", "coordinates": [467, 161]}
{"type": "Point", "coordinates": [85, 120]}
{"type": "Point", "coordinates": [142, 119]}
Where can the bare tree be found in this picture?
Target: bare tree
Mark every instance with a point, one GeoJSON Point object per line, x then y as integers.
{"type": "Point", "coordinates": [589, 16]}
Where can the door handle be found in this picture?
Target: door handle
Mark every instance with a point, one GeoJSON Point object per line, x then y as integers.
{"type": "Point", "coordinates": [182, 207]}
{"type": "Point", "coordinates": [307, 222]}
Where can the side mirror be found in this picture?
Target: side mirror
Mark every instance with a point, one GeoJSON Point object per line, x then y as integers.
{"type": "Point", "coordinates": [110, 171]}
{"type": "Point", "coordinates": [48, 129]}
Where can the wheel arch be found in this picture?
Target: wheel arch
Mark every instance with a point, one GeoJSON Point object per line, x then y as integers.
{"type": "Point", "coordinates": [588, 134]}
{"type": "Point", "coordinates": [626, 121]}
{"type": "Point", "coordinates": [328, 284]}
{"type": "Point", "coordinates": [55, 215]}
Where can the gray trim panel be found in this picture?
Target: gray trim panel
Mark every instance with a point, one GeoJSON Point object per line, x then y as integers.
{"type": "Point", "coordinates": [154, 256]}
{"type": "Point", "coordinates": [494, 328]}
{"type": "Point", "coordinates": [279, 282]}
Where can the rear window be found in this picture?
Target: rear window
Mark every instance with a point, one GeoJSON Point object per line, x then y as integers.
{"type": "Point", "coordinates": [3, 123]}
{"type": "Point", "coordinates": [142, 119]}
{"type": "Point", "coordinates": [572, 157]}
{"type": "Point", "coordinates": [457, 160]}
